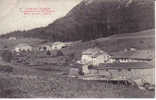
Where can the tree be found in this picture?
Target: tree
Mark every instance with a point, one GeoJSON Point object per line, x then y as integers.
{"type": "Point", "coordinates": [60, 53]}
{"type": "Point", "coordinates": [48, 53]}
{"type": "Point", "coordinates": [7, 56]}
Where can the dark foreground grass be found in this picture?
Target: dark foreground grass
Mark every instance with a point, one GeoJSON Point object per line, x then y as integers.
{"type": "Point", "coordinates": [57, 86]}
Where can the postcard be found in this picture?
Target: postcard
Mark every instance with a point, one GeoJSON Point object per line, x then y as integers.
{"type": "Point", "coordinates": [77, 49]}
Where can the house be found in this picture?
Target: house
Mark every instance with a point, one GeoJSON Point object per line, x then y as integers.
{"type": "Point", "coordinates": [45, 47]}
{"type": "Point", "coordinates": [94, 56]}
{"type": "Point", "coordinates": [60, 45]}
{"type": "Point", "coordinates": [12, 38]}
{"type": "Point", "coordinates": [132, 49]}
{"type": "Point", "coordinates": [22, 47]}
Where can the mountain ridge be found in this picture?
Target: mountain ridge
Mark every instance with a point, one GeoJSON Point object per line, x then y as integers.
{"type": "Point", "coordinates": [92, 19]}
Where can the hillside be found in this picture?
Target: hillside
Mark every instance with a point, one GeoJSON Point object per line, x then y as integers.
{"type": "Point", "coordinates": [50, 80]}
{"type": "Point", "coordinates": [92, 19]}
{"type": "Point", "coordinates": [119, 45]}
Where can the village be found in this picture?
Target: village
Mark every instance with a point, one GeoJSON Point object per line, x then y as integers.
{"type": "Point", "coordinates": [41, 51]}
{"type": "Point", "coordinates": [87, 64]}
{"type": "Point", "coordinates": [77, 60]}
{"type": "Point", "coordinates": [26, 53]}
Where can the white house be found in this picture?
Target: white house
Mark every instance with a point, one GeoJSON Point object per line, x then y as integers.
{"type": "Point", "coordinates": [12, 38]}
{"type": "Point", "coordinates": [94, 56]}
{"type": "Point", "coordinates": [60, 45]}
{"type": "Point", "coordinates": [22, 47]}
{"type": "Point", "coordinates": [132, 49]}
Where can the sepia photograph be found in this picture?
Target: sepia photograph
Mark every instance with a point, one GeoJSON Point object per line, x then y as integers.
{"type": "Point", "coordinates": [77, 48]}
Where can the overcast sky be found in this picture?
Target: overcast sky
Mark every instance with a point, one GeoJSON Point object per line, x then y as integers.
{"type": "Point", "coordinates": [12, 13]}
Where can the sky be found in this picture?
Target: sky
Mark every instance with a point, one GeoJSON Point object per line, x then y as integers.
{"type": "Point", "coordinates": [29, 14]}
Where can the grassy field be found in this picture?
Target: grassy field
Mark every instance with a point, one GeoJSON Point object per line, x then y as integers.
{"type": "Point", "coordinates": [29, 82]}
